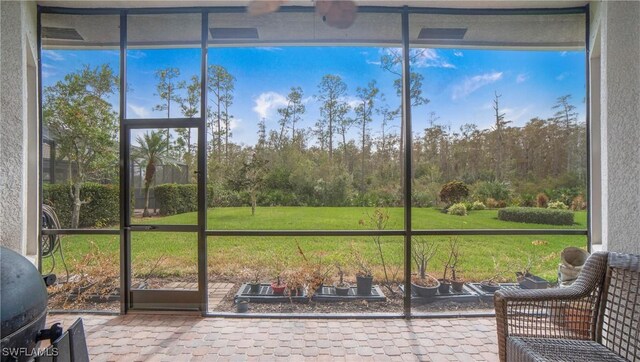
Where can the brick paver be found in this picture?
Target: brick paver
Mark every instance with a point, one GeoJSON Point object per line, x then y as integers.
{"type": "Point", "coordinates": [188, 338]}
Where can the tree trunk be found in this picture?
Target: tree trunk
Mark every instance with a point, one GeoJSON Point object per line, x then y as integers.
{"type": "Point", "coordinates": [253, 203]}
{"type": "Point", "coordinates": [77, 203]}
{"type": "Point", "coordinates": [147, 188]}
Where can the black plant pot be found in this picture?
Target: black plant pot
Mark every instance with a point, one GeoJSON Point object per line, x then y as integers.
{"type": "Point", "coordinates": [364, 284]}
{"type": "Point", "coordinates": [254, 288]}
{"type": "Point", "coordinates": [445, 287]}
{"type": "Point", "coordinates": [342, 291]}
{"type": "Point", "coordinates": [425, 292]}
{"type": "Point", "coordinates": [457, 285]}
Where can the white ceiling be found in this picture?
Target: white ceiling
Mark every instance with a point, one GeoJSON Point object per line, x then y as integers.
{"type": "Point", "coordinates": [494, 4]}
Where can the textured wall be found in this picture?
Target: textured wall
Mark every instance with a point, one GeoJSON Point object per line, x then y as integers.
{"type": "Point", "coordinates": [17, 24]}
{"type": "Point", "coordinates": [620, 116]}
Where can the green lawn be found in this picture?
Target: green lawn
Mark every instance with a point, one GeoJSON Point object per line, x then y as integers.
{"type": "Point", "coordinates": [228, 257]}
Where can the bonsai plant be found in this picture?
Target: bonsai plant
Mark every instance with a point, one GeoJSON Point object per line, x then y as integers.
{"type": "Point", "coordinates": [314, 272]}
{"type": "Point", "coordinates": [526, 280]}
{"type": "Point", "coordinates": [364, 276]}
{"type": "Point", "coordinates": [254, 276]}
{"type": "Point", "coordinates": [342, 288]}
{"type": "Point", "coordinates": [491, 285]}
{"type": "Point", "coordinates": [278, 285]}
{"type": "Point", "coordinates": [445, 283]}
{"type": "Point", "coordinates": [296, 279]}
{"type": "Point", "coordinates": [423, 284]}
{"type": "Point", "coordinates": [456, 283]}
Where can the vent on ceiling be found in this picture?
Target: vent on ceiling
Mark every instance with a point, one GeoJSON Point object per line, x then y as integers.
{"type": "Point", "coordinates": [234, 33]}
{"type": "Point", "coordinates": [60, 33]}
{"type": "Point", "coordinates": [442, 33]}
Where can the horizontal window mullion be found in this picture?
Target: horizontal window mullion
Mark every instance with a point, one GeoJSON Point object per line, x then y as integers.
{"type": "Point", "coordinates": [80, 231]}
{"type": "Point", "coordinates": [436, 232]}
{"type": "Point", "coordinates": [305, 233]}
{"type": "Point", "coordinates": [141, 123]}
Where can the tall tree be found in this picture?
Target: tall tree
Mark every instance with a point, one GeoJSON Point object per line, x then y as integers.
{"type": "Point", "coordinates": [566, 116]}
{"type": "Point", "coordinates": [190, 106]}
{"type": "Point", "coordinates": [84, 125]}
{"type": "Point", "coordinates": [498, 128]}
{"type": "Point", "coordinates": [221, 84]}
{"type": "Point", "coordinates": [152, 151]}
{"type": "Point", "coordinates": [364, 111]}
{"type": "Point", "coordinates": [291, 114]}
{"type": "Point", "coordinates": [167, 89]}
{"type": "Point", "coordinates": [333, 107]}
{"type": "Point", "coordinates": [391, 61]}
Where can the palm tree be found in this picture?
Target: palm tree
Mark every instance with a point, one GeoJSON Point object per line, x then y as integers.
{"type": "Point", "coordinates": [152, 150]}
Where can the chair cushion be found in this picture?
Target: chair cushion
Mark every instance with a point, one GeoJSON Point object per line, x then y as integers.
{"type": "Point", "coordinates": [552, 349]}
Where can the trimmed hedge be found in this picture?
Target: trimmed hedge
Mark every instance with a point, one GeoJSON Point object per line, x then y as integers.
{"type": "Point", "coordinates": [176, 199]}
{"type": "Point", "coordinates": [180, 198]}
{"type": "Point", "coordinates": [533, 215]}
{"type": "Point", "coordinates": [102, 210]}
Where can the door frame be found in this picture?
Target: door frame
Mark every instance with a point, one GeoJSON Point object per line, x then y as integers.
{"type": "Point", "coordinates": [171, 300]}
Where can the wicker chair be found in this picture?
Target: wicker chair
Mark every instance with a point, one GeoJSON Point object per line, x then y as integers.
{"type": "Point", "coordinates": [597, 318]}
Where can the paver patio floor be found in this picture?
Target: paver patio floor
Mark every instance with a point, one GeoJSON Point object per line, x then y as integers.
{"type": "Point", "coordinates": [190, 338]}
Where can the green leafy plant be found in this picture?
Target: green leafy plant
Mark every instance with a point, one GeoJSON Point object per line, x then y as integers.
{"type": "Point", "coordinates": [459, 209]}
{"type": "Point", "coordinates": [536, 215]}
{"type": "Point", "coordinates": [454, 192]}
{"type": "Point", "coordinates": [477, 205]}
{"type": "Point", "coordinates": [559, 205]}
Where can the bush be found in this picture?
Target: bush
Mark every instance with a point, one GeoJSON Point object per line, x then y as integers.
{"type": "Point", "coordinates": [557, 205]}
{"type": "Point", "coordinates": [578, 203]}
{"type": "Point", "coordinates": [492, 189]}
{"type": "Point", "coordinates": [102, 210]}
{"type": "Point", "coordinates": [536, 215]}
{"type": "Point", "coordinates": [176, 199]}
{"type": "Point", "coordinates": [491, 203]}
{"type": "Point", "coordinates": [218, 196]}
{"type": "Point", "coordinates": [454, 192]}
{"type": "Point", "coordinates": [542, 200]}
{"type": "Point", "coordinates": [478, 205]}
{"type": "Point", "coordinates": [458, 209]}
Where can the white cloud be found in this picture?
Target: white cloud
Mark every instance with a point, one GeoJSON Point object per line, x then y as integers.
{"type": "Point", "coordinates": [52, 55]}
{"type": "Point", "coordinates": [139, 111]}
{"type": "Point", "coordinates": [515, 114]}
{"type": "Point", "coordinates": [458, 53]}
{"type": "Point", "coordinates": [421, 58]}
{"type": "Point", "coordinates": [429, 58]}
{"type": "Point", "coordinates": [521, 78]}
{"type": "Point", "coordinates": [563, 54]}
{"type": "Point", "coordinates": [562, 75]}
{"type": "Point", "coordinates": [136, 54]}
{"type": "Point", "coordinates": [268, 102]}
{"type": "Point", "coordinates": [269, 49]}
{"type": "Point", "coordinates": [474, 83]}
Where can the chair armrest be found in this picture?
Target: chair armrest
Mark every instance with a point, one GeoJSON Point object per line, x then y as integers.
{"type": "Point", "coordinates": [566, 313]}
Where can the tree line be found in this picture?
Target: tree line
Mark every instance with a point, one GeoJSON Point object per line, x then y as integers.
{"type": "Point", "coordinates": [319, 165]}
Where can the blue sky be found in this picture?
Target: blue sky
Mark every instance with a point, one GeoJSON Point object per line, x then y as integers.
{"type": "Point", "coordinates": [460, 84]}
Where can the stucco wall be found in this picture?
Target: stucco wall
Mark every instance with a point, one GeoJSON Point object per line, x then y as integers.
{"type": "Point", "coordinates": [17, 50]}
{"type": "Point", "coordinates": [619, 33]}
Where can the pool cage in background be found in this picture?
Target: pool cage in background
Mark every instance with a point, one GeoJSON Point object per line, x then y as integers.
{"type": "Point", "coordinates": [573, 18]}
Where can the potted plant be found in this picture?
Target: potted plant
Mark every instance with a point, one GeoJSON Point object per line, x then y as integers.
{"type": "Point", "coordinates": [445, 283]}
{"type": "Point", "coordinates": [342, 288]}
{"type": "Point", "coordinates": [423, 284]}
{"type": "Point", "coordinates": [526, 280]}
{"type": "Point", "coordinates": [491, 285]}
{"type": "Point", "coordinates": [296, 279]}
{"type": "Point", "coordinates": [364, 276]}
{"type": "Point", "coordinates": [278, 286]}
{"type": "Point", "coordinates": [254, 276]}
{"type": "Point", "coordinates": [457, 283]}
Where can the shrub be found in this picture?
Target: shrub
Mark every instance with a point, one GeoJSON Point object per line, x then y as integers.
{"type": "Point", "coordinates": [218, 196]}
{"type": "Point", "coordinates": [536, 215]}
{"type": "Point", "coordinates": [176, 199]}
{"type": "Point", "coordinates": [454, 192]}
{"type": "Point", "coordinates": [578, 203]}
{"type": "Point", "coordinates": [478, 205]}
{"type": "Point", "coordinates": [458, 209]}
{"type": "Point", "coordinates": [101, 210]}
{"type": "Point", "coordinates": [491, 203]}
{"type": "Point", "coordinates": [542, 200]}
{"type": "Point", "coordinates": [492, 189]}
{"type": "Point", "coordinates": [557, 205]}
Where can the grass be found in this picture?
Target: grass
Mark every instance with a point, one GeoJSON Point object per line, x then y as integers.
{"type": "Point", "coordinates": [175, 254]}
